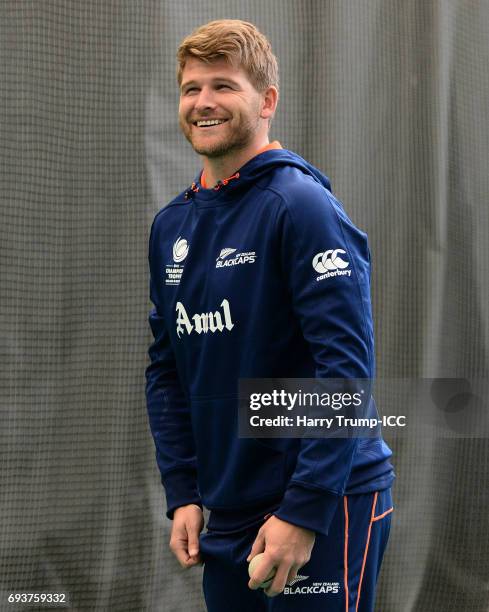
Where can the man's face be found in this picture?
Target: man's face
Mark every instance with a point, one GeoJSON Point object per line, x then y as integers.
{"type": "Point", "coordinates": [221, 92]}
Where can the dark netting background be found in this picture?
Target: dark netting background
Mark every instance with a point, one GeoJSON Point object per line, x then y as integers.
{"type": "Point", "coordinates": [390, 100]}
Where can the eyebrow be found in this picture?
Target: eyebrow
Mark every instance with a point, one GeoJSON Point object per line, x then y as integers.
{"type": "Point", "coordinates": [215, 80]}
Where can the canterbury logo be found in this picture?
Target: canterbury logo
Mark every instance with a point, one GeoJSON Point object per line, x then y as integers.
{"type": "Point", "coordinates": [297, 579]}
{"type": "Point", "coordinates": [329, 260]}
{"type": "Point", "coordinates": [180, 249]}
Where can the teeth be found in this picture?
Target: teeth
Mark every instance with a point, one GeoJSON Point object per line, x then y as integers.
{"type": "Point", "coordinates": [210, 122]}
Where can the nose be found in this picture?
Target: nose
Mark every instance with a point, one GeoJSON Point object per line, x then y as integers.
{"type": "Point", "coordinates": [205, 100]}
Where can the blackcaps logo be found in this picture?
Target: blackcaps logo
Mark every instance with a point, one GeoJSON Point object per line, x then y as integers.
{"type": "Point", "coordinates": [224, 260]}
{"type": "Point", "coordinates": [316, 588]}
{"type": "Point", "coordinates": [180, 249]}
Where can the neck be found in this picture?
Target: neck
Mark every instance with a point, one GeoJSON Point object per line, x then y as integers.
{"type": "Point", "coordinates": [219, 168]}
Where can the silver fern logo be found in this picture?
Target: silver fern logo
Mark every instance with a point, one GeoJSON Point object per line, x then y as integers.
{"type": "Point", "coordinates": [224, 253]}
{"type": "Point", "coordinates": [297, 579]}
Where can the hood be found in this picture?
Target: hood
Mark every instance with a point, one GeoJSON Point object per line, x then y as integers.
{"type": "Point", "coordinates": [254, 170]}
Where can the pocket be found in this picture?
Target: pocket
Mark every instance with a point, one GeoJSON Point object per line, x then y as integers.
{"type": "Point", "coordinates": [384, 506]}
{"type": "Point", "coordinates": [381, 520]}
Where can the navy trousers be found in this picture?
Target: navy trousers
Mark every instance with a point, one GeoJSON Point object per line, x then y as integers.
{"type": "Point", "coordinates": [341, 574]}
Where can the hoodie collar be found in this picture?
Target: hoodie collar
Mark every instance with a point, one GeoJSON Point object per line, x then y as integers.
{"type": "Point", "coordinates": [265, 160]}
{"type": "Point", "coordinates": [272, 145]}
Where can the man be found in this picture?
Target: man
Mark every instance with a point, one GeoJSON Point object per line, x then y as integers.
{"type": "Point", "coordinates": [238, 293]}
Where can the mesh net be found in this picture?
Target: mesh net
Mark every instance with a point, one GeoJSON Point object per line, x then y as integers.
{"type": "Point", "coordinates": [390, 100]}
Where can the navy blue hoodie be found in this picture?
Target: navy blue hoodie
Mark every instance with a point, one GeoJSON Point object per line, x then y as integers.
{"type": "Point", "coordinates": [264, 276]}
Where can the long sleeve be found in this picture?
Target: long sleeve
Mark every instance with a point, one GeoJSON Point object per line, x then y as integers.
{"type": "Point", "coordinates": [325, 260]}
{"type": "Point", "coordinates": [168, 413]}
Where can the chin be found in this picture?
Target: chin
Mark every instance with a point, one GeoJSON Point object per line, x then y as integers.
{"type": "Point", "coordinates": [217, 149]}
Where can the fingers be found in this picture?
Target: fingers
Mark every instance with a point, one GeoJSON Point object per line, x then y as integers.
{"type": "Point", "coordinates": [284, 575]}
{"type": "Point", "coordinates": [178, 546]}
{"type": "Point", "coordinates": [193, 540]}
{"type": "Point", "coordinates": [262, 573]}
{"type": "Point", "coordinates": [185, 559]}
{"type": "Point", "coordinates": [193, 561]}
{"type": "Point", "coordinates": [280, 580]}
{"type": "Point", "coordinates": [258, 546]}
{"type": "Point", "coordinates": [292, 574]}
{"type": "Point", "coordinates": [184, 540]}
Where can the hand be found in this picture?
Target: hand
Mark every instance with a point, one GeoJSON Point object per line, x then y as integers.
{"type": "Point", "coordinates": [188, 522]}
{"type": "Point", "coordinates": [285, 547]}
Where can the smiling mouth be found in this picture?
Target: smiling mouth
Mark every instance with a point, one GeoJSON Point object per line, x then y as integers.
{"type": "Point", "coordinates": [208, 123]}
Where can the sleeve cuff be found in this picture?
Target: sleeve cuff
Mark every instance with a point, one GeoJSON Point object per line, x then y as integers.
{"type": "Point", "coordinates": [309, 508]}
{"type": "Point", "coordinates": [181, 489]}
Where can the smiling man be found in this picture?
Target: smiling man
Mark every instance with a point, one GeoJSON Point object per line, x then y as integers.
{"type": "Point", "coordinates": [257, 272]}
{"type": "Point", "coordinates": [232, 134]}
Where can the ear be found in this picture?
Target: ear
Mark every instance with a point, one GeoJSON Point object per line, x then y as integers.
{"type": "Point", "coordinates": [269, 102]}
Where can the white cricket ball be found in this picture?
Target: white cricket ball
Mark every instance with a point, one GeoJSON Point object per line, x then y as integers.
{"type": "Point", "coordinates": [254, 563]}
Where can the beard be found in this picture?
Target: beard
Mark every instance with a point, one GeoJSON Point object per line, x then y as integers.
{"type": "Point", "coordinates": [234, 138]}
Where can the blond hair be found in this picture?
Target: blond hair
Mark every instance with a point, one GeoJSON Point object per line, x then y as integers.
{"type": "Point", "coordinates": [239, 42]}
